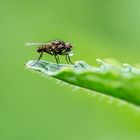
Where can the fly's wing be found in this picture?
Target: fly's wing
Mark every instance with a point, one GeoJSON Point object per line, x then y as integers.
{"type": "Point", "coordinates": [36, 44]}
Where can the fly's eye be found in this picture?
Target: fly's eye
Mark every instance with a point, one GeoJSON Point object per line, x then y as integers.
{"type": "Point", "coordinates": [68, 46]}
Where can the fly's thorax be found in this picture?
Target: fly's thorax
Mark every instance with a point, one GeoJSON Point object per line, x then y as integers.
{"type": "Point", "coordinates": [57, 42]}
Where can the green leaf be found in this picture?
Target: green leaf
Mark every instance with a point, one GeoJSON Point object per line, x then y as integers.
{"type": "Point", "coordinates": [122, 82]}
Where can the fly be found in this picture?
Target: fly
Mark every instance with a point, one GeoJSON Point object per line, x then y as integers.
{"type": "Point", "coordinates": [55, 48]}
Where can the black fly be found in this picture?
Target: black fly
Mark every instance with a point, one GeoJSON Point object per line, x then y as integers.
{"type": "Point", "coordinates": [55, 48]}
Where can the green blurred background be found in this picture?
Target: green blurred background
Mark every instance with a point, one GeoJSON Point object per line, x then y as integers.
{"type": "Point", "coordinates": [36, 108]}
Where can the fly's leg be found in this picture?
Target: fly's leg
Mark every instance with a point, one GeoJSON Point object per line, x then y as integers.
{"type": "Point", "coordinates": [70, 59]}
{"type": "Point", "coordinates": [57, 60]}
{"type": "Point", "coordinates": [38, 59]}
{"type": "Point", "coordinates": [67, 59]}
